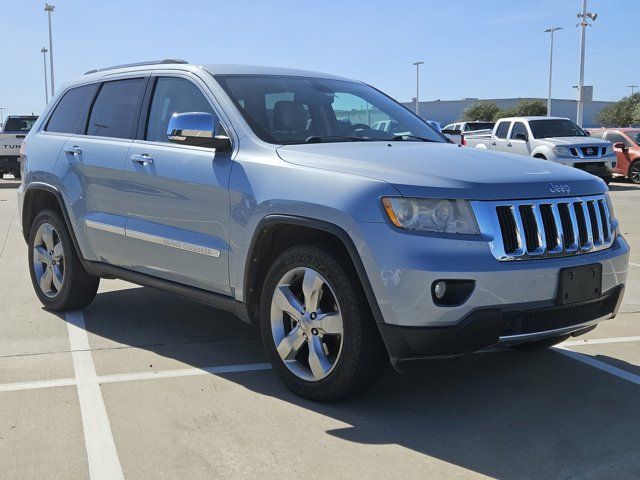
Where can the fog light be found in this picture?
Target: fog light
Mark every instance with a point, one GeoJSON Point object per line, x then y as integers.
{"type": "Point", "coordinates": [439, 289]}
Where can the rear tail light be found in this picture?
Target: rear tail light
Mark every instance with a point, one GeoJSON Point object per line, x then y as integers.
{"type": "Point", "coordinates": [23, 158]}
{"type": "Point", "coordinates": [462, 140]}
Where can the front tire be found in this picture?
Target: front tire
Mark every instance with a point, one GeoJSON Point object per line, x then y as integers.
{"type": "Point", "coordinates": [634, 172]}
{"type": "Point", "coordinates": [317, 328]}
{"type": "Point", "coordinates": [59, 279]}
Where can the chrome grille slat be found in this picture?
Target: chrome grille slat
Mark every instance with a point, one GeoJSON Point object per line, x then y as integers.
{"type": "Point", "coordinates": [544, 228]}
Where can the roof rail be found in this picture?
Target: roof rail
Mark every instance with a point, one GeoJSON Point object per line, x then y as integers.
{"type": "Point", "coordinates": [138, 64]}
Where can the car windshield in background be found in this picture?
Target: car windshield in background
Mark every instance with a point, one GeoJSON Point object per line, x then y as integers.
{"type": "Point", "coordinates": [472, 127]}
{"type": "Point", "coordinates": [293, 110]}
{"type": "Point", "coordinates": [555, 128]}
{"type": "Point", "coordinates": [634, 135]}
{"type": "Point", "coordinates": [19, 124]}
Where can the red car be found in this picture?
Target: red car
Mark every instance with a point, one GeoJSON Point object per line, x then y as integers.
{"type": "Point", "coordinates": [626, 144]}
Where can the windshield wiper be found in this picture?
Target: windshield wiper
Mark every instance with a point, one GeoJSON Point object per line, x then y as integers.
{"type": "Point", "coordinates": [317, 139]}
{"type": "Point", "coordinates": [397, 138]}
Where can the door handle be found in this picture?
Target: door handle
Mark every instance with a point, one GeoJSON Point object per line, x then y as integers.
{"type": "Point", "coordinates": [509, 145]}
{"type": "Point", "coordinates": [75, 150]}
{"type": "Point", "coordinates": [142, 159]}
{"type": "Point", "coordinates": [493, 143]}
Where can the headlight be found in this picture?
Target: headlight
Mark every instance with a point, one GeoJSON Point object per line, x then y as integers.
{"type": "Point", "coordinates": [431, 215]}
{"type": "Point", "coordinates": [562, 151]}
{"type": "Point", "coordinates": [609, 151]}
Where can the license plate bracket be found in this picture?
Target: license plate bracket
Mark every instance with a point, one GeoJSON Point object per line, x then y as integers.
{"type": "Point", "coordinates": [579, 284]}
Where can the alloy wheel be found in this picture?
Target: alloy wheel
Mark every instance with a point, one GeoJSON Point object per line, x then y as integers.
{"type": "Point", "coordinates": [634, 174]}
{"type": "Point", "coordinates": [306, 323]}
{"type": "Point", "coordinates": [48, 260]}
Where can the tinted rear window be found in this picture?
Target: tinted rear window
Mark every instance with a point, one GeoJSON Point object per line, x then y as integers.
{"type": "Point", "coordinates": [472, 127]}
{"type": "Point", "coordinates": [71, 112]}
{"type": "Point", "coordinates": [503, 128]}
{"type": "Point", "coordinates": [115, 111]}
{"type": "Point", "coordinates": [19, 124]}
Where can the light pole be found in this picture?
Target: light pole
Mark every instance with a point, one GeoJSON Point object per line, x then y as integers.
{"type": "Point", "coordinates": [550, 30]}
{"type": "Point", "coordinates": [49, 9]}
{"type": "Point", "coordinates": [633, 88]}
{"type": "Point", "coordinates": [46, 88]}
{"type": "Point", "coordinates": [583, 25]}
{"type": "Point", "coordinates": [417, 64]}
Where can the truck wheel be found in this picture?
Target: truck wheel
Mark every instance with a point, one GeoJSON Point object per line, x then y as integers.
{"type": "Point", "coordinates": [540, 344]}
{"type": "Point", "coordinates": [540, 156]}
{"type": "Point", "coordinates": [634, 172]}
{"type": "Point", "coordinates": [58, 277]}
{"type": "Point", "coordinates": [317, 328]}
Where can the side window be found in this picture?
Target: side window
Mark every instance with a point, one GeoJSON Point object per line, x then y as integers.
{"type": "Point", "coordinates": [503, 128]}
{"type": "Point", "coordinates": [518, 127]}
{"type": "Point", "coordinates": [173, 95]}
{"type": "Point", "coordinates": [115, 111]}
{"type": "Point", "coordinates": [71, 112]}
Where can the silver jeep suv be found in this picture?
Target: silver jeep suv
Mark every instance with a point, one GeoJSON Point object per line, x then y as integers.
{"type": "Point", "coordinates": [266, 192]}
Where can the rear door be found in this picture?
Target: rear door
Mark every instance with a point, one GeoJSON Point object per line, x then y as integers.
{"type": "Point", "coordinates": [93, 165]}
{"type": "Point", "coordinates": [499, 140]}
{"type": "Point", "coordinates": [178, 201]}
{"type": "Point", "coordinates": [514, 145]}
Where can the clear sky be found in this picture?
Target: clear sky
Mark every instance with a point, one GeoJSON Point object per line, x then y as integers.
{"type": "Point", "coordinates": [471, 48]}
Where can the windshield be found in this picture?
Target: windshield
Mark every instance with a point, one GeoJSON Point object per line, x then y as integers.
{"type": "Point", "coordinates": [19, 124]}
{"type": "Point", "coordinates": [290, 110]}
{"type": "Point", "coordinates": [634, 135]}
{"type": "Point", "coordinates": [555, 128]}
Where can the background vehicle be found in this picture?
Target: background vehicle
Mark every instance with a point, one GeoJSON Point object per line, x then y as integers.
{"type": "Point", "coordinates": [256, 190]}
{"type": "Point", "coordinates": [626, 144]}
{"type": "Point", "coordinates": [549, 138]}
{"type": "Point", "coordinates": [456, 132]}
{"type": "Point", "coordinates": [13, 131]}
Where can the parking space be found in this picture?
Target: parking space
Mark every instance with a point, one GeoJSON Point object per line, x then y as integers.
{"type": "Point", "coordinates": [146, 385]}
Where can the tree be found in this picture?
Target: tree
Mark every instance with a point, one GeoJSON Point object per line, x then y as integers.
{"type": "Point", "coordinates": [529, 108]}
{"type": "Point", "coordinates": [622, 113]}
{"type": "Point", "coordinates": [480, 112]}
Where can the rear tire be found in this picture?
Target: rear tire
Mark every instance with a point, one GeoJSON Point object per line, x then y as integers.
{"type": "Point", "coordinates": [540, 344]}
{"type": "Point", "coordinates": [59, 279]}
{"type": "Point", "coordinates": [348, 353]}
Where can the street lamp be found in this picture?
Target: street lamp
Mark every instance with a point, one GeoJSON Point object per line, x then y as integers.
{"type": "Point", "coordinates": [49, 9]}
{"type": "Point", "coordinates": [550, 30]}
{"type": "Point", "coordinates": [417, 64]}
{"type": "Point", "coordinates": [583, 25]}
{"type": "Point", "coordinates": [632, 87]}
{"type": "Point", "coordinates": [44, 62]}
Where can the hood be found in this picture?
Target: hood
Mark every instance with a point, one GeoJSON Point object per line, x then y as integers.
{"type": "Point", "coordinates": [443, 170]}
{"type": "Point", "coordinates": [570, 141]}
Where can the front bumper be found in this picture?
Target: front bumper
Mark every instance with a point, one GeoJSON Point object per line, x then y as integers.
{"type": "Point", "coordinates": [504, 324]}
{"type": "Point", "coordinates": [402, 268]}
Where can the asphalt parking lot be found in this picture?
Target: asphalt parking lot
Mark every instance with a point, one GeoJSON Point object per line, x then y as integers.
{"type": "Point", "coordinates": [146, 385]}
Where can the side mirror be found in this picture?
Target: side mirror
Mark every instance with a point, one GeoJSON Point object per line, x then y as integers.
{"type": "Point", "coordinates": [196, 129]}
{"type": "Point", "coordinates": [521, 136]}
{"type": "Point", "coordinates": [588, 133]}
{"type": "Point", "coordinates": [620, 146]}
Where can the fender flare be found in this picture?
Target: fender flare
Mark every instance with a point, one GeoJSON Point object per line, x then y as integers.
{"type": "Point", "coordinates": [338, 232]}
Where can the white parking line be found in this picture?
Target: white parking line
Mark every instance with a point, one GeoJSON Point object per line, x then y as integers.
{"type": "Point", "coordinates": [182, 372]}
{"type": "Point", "coordinates": [102, 456]}
{"type": "Point", "coordinates": [599, 341]}
{"type": "Point", "coordinates": [634, 264]}
{"type": "Point", "coordinates": [605, 367]}
{"type": "Point", "coordinates": [15, 387]}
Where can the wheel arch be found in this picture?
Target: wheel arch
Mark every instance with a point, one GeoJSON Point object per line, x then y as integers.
{"type": "Point", "coordinates": [276, 233]}
{"type": "Point", "coordinates": [40, 196]}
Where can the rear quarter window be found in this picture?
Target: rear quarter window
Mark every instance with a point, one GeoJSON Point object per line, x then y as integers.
{"type": "Point", "coordinates": [70, 113]}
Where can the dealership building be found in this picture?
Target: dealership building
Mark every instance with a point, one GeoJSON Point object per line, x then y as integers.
{"type": "Point", "coordinates": [448, 111]}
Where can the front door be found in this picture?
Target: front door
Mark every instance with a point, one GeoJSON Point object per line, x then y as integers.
{"type": "Point", "coordinates": [518, 146]}
{"type": "Point", "coordinates": [178, 202]}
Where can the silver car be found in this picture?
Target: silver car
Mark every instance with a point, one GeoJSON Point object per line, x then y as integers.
{"type": "Point", "coordinates": [267, 192]}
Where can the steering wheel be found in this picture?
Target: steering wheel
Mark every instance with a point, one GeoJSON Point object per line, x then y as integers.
{"type": "Point", "coordinates": [358, 127]}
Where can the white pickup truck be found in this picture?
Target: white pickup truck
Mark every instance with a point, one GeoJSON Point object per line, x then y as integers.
{"type": "Point", "coordinates": [13, 131]}
{"type": "Point", "coordinates": [549, 138]}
